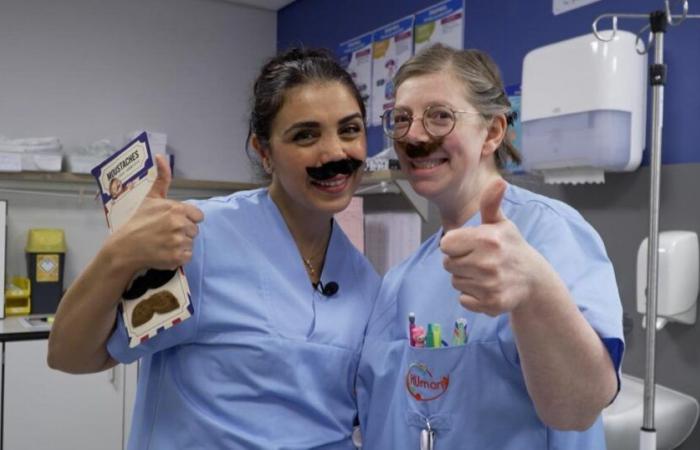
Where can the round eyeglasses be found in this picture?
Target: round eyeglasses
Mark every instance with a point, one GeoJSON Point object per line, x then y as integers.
{"type": "Point", "coordinates": [438, 121]}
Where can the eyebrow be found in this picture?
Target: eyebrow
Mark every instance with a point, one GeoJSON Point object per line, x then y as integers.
{"type": "Point", "coordinates": [350, 118]}
{"type": "Point", "coordinates": [428, 105]}
{"type": "Point", "coordinates": [311, 124]}
{"type": "Point", "coordinates": [301, 125]}
{"type": "Point", "coordinates": [440, 103]}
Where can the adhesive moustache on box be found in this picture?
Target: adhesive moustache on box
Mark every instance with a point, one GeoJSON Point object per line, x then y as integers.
{"type": "Point", "coordinates": [155, 299]}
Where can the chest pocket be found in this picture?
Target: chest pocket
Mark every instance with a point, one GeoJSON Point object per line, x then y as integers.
{"type": "Point", "coordinates": [471, 396]}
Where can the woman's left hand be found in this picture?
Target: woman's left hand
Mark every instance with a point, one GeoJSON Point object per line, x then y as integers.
{"type": "Point", "coordinates": [491, 265]}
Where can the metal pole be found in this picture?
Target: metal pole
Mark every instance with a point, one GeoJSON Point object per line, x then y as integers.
{"type": "Point", "coordinates": [657, 78]}
{"type": "Point", "coordinates": [658, 21]}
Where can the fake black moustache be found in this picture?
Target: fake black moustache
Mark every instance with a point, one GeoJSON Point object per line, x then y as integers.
{"type": "Point", "coordinates": [152, 279]}
{"type": "Point", "coordinates": [423, 150]}
{"type": "Point", "coordinates": [333, 168]}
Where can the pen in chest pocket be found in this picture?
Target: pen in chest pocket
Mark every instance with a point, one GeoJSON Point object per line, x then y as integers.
{"type": "Point", "coordinates": [418, 336]}
{"type": "Point", "coordinates": [411, 328]}
{"type": "Point", "coordinates": [459, 335]}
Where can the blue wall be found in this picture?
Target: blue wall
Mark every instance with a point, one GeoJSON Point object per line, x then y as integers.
{"type": "Point", "coordinates": [508, 29]}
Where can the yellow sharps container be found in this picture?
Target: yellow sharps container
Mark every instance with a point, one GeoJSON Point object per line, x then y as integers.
{"type": "Point", "coordinates": [46, 252]}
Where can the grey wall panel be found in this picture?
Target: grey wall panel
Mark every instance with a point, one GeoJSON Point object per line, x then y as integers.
{"type": "Point", "coordinates": [84, 70]}
{"type": "Point", "coordinates": [619, 211]}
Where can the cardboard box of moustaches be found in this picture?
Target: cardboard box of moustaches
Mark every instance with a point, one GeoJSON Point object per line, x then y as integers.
{"type": "Point", "coordinates": [156, 299]}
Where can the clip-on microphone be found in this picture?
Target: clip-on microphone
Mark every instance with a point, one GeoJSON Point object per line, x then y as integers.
{"type": "Point", "coordinates": [329, 289]}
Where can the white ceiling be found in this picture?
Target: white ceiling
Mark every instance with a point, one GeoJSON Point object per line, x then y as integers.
{"type": "Point", "coordinates": [272, 5]}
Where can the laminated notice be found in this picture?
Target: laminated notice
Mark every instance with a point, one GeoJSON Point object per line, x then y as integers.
{"type": "Point", "coordinates": [155, 299]}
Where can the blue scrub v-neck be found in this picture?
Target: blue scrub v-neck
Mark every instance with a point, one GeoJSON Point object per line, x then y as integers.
{"type": "Point", "coordinates": [294, 309]}
{"type": "Point", "coordinates": [474, 395]}
{"type": "Point", "coordinates": [265, 361]}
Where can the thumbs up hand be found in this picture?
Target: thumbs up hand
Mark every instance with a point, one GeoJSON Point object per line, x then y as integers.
{"type": "Point", "coordinates": [489, 263]}
{"type": "Point", "coordinates": [161, 186]}
{"type": "Point", "coordinates": [490, 205]}
{"type": "Point", "coordinates": [160, 233]}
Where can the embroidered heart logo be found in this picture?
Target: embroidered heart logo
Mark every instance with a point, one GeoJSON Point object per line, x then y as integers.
{"type": "Point", "coordinates": [422, 385]}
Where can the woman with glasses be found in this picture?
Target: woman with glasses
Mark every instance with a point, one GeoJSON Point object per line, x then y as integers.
{"type": "Point", "coordinates": [503, 331]}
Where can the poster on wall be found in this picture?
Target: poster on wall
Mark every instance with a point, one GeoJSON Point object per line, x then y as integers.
{"type": "Point", "coordinates": [392, 46]}
{"type": "Point", "coordinates": [355, 55]}
{"type": "Point", "coordinates": [443, 23]}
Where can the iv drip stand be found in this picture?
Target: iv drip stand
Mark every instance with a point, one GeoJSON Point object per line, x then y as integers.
{"type": "Point", "coordinates": [657, 79]}
{"type": "Point", "coordinates": [658, 21]}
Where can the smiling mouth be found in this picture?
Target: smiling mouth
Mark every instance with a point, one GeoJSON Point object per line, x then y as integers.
{"type": "Point", "coordinates": [333, 185]}
{"type": "Point", "coordinates": [429, 163]}
{"type": "Point", "coordinates": [336, 181]}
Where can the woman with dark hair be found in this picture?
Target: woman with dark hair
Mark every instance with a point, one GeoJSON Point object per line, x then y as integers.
{"type": "Point", "coordinates": [281, 297]}
{"type": "Point", "coordinates": [527, 274]}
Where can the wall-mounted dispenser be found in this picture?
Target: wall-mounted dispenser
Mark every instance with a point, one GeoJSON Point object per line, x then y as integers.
{"type": "Point", "coordinates": [678, 278]}
{"type": "Point", "coordinates": [583, 108]}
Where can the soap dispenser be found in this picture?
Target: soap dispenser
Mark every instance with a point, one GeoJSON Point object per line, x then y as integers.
{"type": "Point", "coordinates": [678, 278]}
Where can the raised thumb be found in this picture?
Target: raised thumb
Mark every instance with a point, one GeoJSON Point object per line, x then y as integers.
{"type": "Point", "coordinates": [490, 204]}
{"type": "Point", "coordinates": [162, 184]}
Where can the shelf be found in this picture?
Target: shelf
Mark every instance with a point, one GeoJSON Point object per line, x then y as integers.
{"type": "Point", "coordinates": [70, 184]}
{"type": "Point", "coordinates": [393, 182]}
{"type": "Point", "coordinates": [63, 181]}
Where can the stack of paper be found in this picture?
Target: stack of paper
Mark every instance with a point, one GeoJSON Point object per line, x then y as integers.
{"type": "Point", "coordinates": [30, 154]}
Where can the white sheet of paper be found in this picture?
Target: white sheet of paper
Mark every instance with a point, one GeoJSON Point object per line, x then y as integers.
{"type": "Point", "coordinates": [443, 23]}
{"type": "Point", "coordinates": [356, 57]}
{"type": "Point", "coordinates": [392, 46]}
{"type": "Point", "coordinates": [562, 6]}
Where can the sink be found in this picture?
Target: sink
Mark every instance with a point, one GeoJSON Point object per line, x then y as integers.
{"type": "Point", "coordinates": [675, 416]}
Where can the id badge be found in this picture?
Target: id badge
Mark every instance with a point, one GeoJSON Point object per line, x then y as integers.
{"type": "Point", "coordinates": [427, 438]}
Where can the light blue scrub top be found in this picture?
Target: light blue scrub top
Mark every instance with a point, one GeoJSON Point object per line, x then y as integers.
{"type": "Point", "coordinates": [474, 395]}
{"type": "Point", "coordinates": [266, 361]}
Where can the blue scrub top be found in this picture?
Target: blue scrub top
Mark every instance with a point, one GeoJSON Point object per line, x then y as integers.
{"type": "Point", "coordinates": [266, 361]}
{"type": "Point", "coordinates": [474, 395]}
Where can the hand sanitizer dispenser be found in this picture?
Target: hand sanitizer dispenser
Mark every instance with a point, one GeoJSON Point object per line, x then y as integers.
{"type": "Point", "coordinates": [584, 107]}
{"type": "Point", "coordinates": [678, 278]}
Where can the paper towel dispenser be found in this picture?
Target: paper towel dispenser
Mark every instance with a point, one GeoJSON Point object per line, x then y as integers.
{"type": "Point", "coordinates": [584, 105]}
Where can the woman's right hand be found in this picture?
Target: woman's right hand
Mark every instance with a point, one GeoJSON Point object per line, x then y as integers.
{"type": "Point", "coordinates": [160, 233]}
